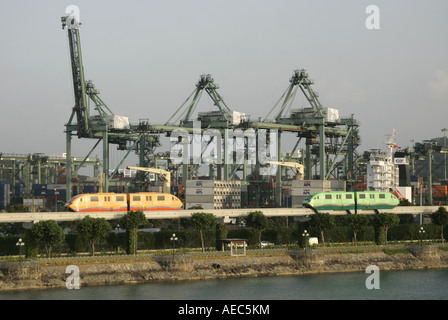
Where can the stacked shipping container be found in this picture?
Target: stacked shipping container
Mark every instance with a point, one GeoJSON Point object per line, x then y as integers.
{"type": "Point", "coordinates": [5, 196]}
{"type": "Point", "coordinates": [213, 194]}
{"type": "Point", "coordinates": [49, 190]}
{"type": "Point", "coordinates": [34, 203]}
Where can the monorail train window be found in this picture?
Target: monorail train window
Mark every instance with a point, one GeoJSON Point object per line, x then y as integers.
{"type": "Point", "coordinates": [382, 196]}
{"type": "Point", "coordinates": [120, 198]}
{"type": "Point", "coordinates": [94, 198]}
{"type": "Point", "coordinates": [160, 198]}
{"type": "Point", "coordinates": [338, 196]}
{"type": "Point", "coordinates": [348, 196]}
{"type": "Point", "coordinates": [328, 196]}
{"type": "Point", "coordinates": [136, 198]}
{"type": "Point", "coordinates": [362, 196]}
{"type": "Point", "coordinates": [372, 196]}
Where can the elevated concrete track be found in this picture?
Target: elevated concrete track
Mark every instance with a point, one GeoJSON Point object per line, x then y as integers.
{"type": "Point", "coordinates": [219, 213]}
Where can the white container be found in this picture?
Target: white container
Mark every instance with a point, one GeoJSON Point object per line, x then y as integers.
{"type": "Point", "coordinates": [205, 206]}
{"type": "Point", "coordinates": [200, 183]}
{"type": "Point", "coordinates": [338, 185]}
{"type": "Point", "coordinates": [199, 191]}
{"type": "Point", "coordinates": [311, 184]}
{"type": "Point", "coordinates": [201, 199]}
{"type": "Point", "coordinates": [297, 200]}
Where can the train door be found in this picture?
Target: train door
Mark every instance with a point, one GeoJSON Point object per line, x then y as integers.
{"type": "Point", "coordinates": [106, 202]}
{"type": "Point", "coordinates": [161, 202]}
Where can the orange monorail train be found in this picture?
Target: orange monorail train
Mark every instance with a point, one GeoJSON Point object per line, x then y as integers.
{"type": "Point", "coordinates": [143, 201]}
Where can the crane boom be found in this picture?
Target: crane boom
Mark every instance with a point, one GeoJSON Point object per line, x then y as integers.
{"type": "Point", "coordinates": [164, 173]}
{"type": "Point", "coordinates": [79, 85]}
{"type": "Point", "coordinates": [300, 168]}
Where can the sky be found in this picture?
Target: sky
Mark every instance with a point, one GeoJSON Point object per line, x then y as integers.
{"type": "Point", "coordinates": [146, 57]}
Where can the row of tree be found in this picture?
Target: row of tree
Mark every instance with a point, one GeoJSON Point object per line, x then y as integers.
{"type": "Point", "coordinates": [91, 231]}
{"type": "Point", "coordinates": [382, 223]}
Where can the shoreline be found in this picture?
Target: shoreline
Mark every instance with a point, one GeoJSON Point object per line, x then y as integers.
{"type": "Point", "coordinates": [33, 276]}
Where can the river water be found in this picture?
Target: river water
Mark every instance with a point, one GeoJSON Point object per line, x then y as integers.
{"type": "Point", "coordinates": [403, 285]}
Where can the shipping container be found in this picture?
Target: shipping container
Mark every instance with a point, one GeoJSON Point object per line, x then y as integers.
{"type": "Point", "coordinates": [35, 204]}
{"type": "Point", "coordinates": [440, 192]}
{"type": "Point", "coordinates": [201, 191]}
{"type": "Point", "coordinates": [325, 184]}
{"type": "Point", "coordinates": [202, 199]}
{"type": "Point", "coordinates": [19, 189]}
{"type": "Point", "coordinates": [338, 185]}
{"type": "Point", "coordinates": [199, 183]}
{"type": "Point", "coordinates": [307, 191]}
{"type": "Point", "coordinates": [56, 186]}
{"type": "Point", "coordinates": [205, 206]}
{"type": "Point", "coordinates": [90, 189]}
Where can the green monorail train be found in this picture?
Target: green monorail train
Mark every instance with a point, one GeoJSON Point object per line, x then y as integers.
{"type": "Point", "coordinates": [340, 200]}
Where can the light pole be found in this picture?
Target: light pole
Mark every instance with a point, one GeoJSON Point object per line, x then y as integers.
{"type": "Point", "coordinates": [305, 234]}
{"type": "Point", "coordinates": [241, 224]}
{"type": "Point", "coordinates": [20, 244]}
{"type": "Point", "coordinates": [421, 233]}
{"type": "Point", "coordinates": [173, 239]}
{"type": "Point", "coordinates": [444, 130]}
{"type": "Point", "coordinates": [117, 231]}
{"type": "Point", "coordinates": [55, 200]}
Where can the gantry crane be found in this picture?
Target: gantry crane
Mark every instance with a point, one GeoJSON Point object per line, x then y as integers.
{"type": "Point", "coordinates": [105, 125]}
{"type": "Point", "coordinates": [324, 132]}
{"type": "Point", "coordinates": [313, 124]}
{"type": "Point", "coordinates": [317, 125]}
{"type": "Point", "coordinates": [222, 119]}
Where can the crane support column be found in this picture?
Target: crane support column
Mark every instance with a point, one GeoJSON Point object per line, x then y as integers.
{"type": "Point", "coordinates": [278, 186]}
{"type": "Point", "coordinates": [106, 159]}
{"type": "Point", "coordinates": [227, 159]}
{"type": "Point", "coordinates": [322, 150]}
{"type": "Point", "coordinates": [68, 182]}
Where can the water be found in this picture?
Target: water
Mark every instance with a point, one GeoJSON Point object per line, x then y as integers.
{"type": "Point", "coordinates": [403, 285]}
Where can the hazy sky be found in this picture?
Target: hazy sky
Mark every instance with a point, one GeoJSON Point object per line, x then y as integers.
{"type": "Point", "coordinates": [145, 57]}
